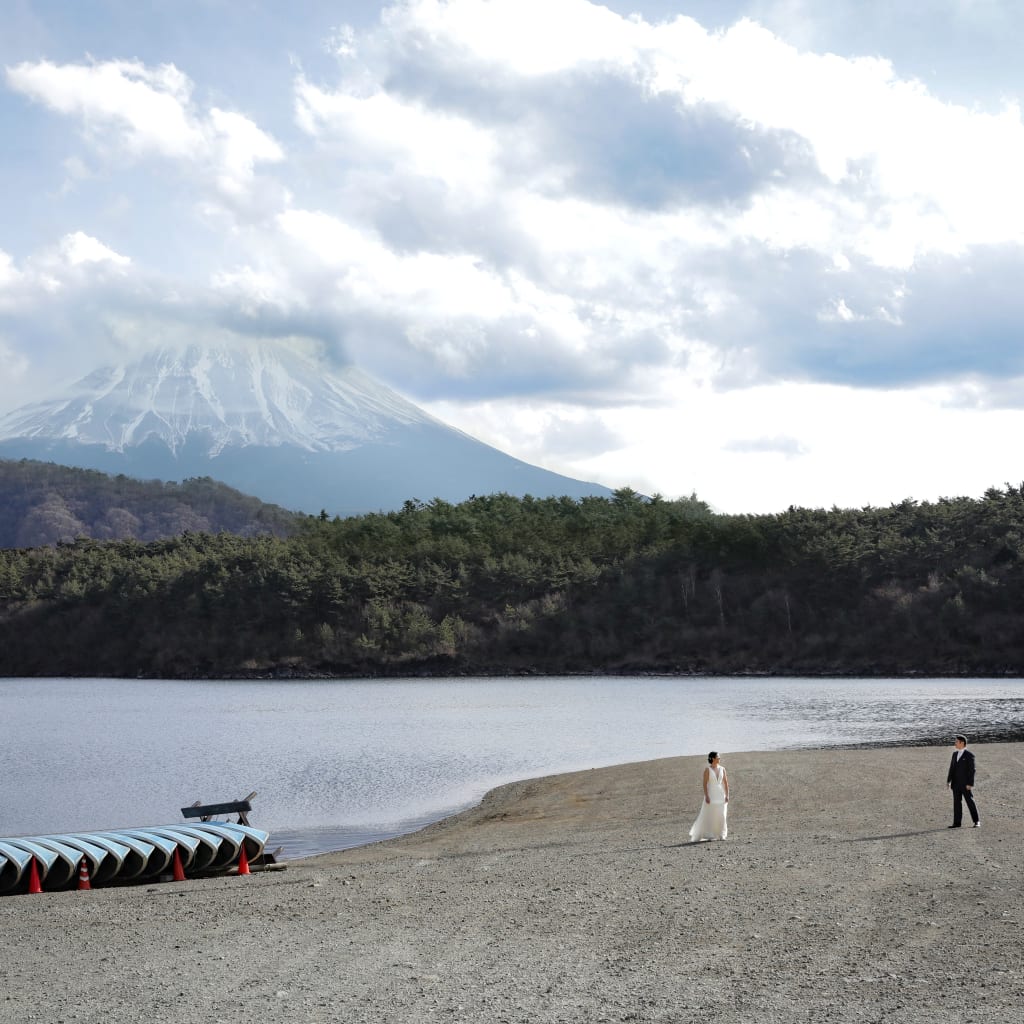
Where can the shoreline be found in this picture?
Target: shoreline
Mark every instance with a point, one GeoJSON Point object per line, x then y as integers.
{"type": "Point", "coordinates": [840, 895]}
{"type": "Point", "coordinates": [984, 737]}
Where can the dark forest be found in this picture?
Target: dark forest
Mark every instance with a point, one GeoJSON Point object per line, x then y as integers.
{"type": "Point", "coordinates": [503, 585]}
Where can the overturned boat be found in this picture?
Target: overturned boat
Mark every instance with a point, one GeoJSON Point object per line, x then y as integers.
{"type": "Point", "coordinates": [124, 856]}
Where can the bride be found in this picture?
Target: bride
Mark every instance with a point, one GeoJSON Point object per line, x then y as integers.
{"type": "Point", "coordinates": [711, 823]}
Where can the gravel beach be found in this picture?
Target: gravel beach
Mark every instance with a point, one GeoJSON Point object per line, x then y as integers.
{"type": "Point", "coordinates": [840, 895]}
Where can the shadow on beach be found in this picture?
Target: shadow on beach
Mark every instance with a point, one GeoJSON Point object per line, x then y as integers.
{"type": "Point", "coordinates": [892, 835]}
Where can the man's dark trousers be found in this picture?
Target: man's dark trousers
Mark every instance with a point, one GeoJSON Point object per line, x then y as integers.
{"type": "Point", "coordinates": [958, 810]}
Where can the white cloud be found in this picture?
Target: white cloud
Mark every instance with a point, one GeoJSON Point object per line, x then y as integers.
{"type": "Point", "coordinates": [450, 308]}
{"type": "Point", "coordinates": [381, 130]}
{"type": "Point", "coordinates": [78, 248]}
{"type": "Point", "coordinates": [942, 175]}
{"type": "Point", "coordinates": [253, 290]}
{"type": "Point", "coordinates": [788, 447]}
{"type": "Point", "coordinates": [925, 174]}
{"type": "Point", "coordinates": [413, 115]}
{"type": "Point", "coordinates": [342, 42]}
{"type": "Point", "coordinates": [140, 111]}
{"type": "Point", "coordinates": [367, 272]}
{"type": "Point", "coordinates": [147, 108]}
{"type": "Point", "coordinates": [528, 37]}
{"type": "Point", "coordinates": [9, 274]}
{"type": "Point", "coordinates": [77, 260]}
{"type": "Point", "coordinates": [651, 254]}
{"type": "Point", "coordinates": [236, 145]}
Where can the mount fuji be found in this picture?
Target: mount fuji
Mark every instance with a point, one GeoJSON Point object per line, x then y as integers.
{"type": "Point", "coordinates": [273, 423]}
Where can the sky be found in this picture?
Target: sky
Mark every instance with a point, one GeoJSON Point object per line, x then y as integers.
{"type": "Point", "coordinates": [770, 252]}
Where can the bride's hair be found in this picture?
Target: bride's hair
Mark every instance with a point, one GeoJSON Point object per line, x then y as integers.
{"type": "Point", "coordinates": [712, 756]}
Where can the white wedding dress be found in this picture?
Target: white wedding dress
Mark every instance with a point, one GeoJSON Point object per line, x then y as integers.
{"type": "Point", "coordinates": [712, 822]}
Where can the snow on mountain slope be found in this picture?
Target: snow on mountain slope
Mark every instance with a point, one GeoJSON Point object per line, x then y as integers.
{"type": "Point", "coordinates": [271, 423]}
{"type": "Point", "coordinates": [239, 396]}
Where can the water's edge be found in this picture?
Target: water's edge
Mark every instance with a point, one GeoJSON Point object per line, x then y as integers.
{"type": "Point", "coordinates": [301, 844]}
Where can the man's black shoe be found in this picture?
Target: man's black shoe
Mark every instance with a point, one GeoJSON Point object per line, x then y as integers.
{"type": "Point", "coordinates": [952, 826]}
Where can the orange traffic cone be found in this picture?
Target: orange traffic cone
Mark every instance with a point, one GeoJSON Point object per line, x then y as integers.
{"type": "Point", "coordinates": [179, 871]}
{"type": "Point", "coordinates": [243, 861]}
{"type": "Point", "coordinates": [83, 875]}
{"type": "Point", "coordinates": [33, 878]}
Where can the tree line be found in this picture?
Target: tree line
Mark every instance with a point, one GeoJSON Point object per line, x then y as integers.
{"type": "Point", "coordinates": [506, 585]}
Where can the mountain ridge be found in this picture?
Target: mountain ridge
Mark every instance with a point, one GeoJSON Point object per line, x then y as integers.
{"type": "Point", "coordinates": [45, 504]}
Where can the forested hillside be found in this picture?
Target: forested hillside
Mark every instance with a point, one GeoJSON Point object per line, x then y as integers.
{"type": "Point", "coordinates": [506, 585]}
{"type": "Point", "coordinates": [41, 503]}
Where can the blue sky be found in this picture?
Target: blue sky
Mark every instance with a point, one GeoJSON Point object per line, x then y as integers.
{"type": "Point", "coordinates": [767, 251]}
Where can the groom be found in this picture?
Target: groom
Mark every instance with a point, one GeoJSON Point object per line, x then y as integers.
{"type": "Point", "coordinates": [961, 780]}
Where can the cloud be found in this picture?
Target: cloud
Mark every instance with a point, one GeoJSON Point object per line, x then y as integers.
{"type": "Point", "coordinates": [790, 447]}
{"type": "Point", "coordinates": [619, 145]}
{"type": "Point", "coordinates": [589, 110]}
{"type": "Point", "coordinates": [379, 131]}
{"type": "Point", "coordinates": [146, 109]}
{"type": "Point", "coordinates": [144, 112]}
{"type": "Point", "coordinates": [670, 190]}
{"type": "Point", "coordinates": [503, 36]}
{"type": "Point", "coordinates": [488, 331]}
{"type": "Point", "coordinates": [962, 49]}
{"type": "Point", "coordinates": [545, 433]}
{"type": "Point", "coordinates": [730, 109]}
{"type": "Point", "coordinates": [574, 436]}
{"type": "Point", "coordinates": [9, 274]}
{"type": "Point", "coordinates": [553, 206]}
{"type": "Point", "coordinates": [76, 261]}
{"type": "Point", "coordinates": [80, 248]}
{"type": "Point", "coordinates": [235, 146]}
{"type": "Point", "coordinates": [549, 198]}
{"type": "Point", "coordinates": [868, 326]}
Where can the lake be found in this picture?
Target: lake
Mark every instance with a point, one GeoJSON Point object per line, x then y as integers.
{"type": "Point", "coordinates": [339, 763]}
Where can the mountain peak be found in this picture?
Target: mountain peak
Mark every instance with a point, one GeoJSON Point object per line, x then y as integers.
{"type": "Point", "coordinates": [231, 396]}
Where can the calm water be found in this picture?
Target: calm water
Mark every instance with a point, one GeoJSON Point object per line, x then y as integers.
{"type": "Point", "coordinates": [340, 763]}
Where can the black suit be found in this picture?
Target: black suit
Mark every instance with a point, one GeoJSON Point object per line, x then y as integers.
{"type": "Point", "coordinates": [961, 775]}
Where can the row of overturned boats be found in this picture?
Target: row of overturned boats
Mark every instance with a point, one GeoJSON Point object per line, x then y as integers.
{"type": "Point", "coordinates": [125, 856]}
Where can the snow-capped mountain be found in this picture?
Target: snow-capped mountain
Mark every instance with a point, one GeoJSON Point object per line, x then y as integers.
{"type": "Point", "coordinates": [230, 397]}
{"type": "Point", "coordinates": [271, 422]}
